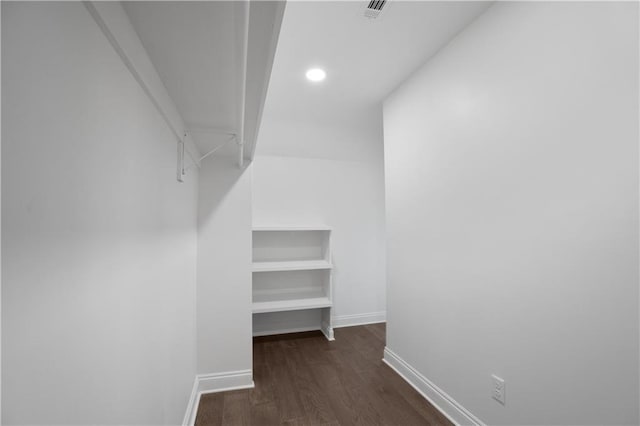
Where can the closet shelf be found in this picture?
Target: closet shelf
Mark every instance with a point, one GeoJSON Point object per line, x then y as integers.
{"type": "Point", "coordinates": [284, 301]}
{"type": "Point", "coordinates": [292, 228]}
{"type": "Point", "coordinates": [291, 265]}
{"type": "Point", "coordinates": [291, 305]}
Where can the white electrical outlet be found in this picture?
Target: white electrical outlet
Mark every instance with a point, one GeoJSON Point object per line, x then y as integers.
{"type": "Point", "coordinates": [499, 390]}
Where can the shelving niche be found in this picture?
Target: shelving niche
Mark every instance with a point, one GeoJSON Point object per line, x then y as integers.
{"type": "Point", "coordinates": [292, 280]}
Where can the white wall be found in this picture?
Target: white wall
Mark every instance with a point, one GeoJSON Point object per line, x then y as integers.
{"type": "Point", "coordinates": [330, 173]}
{"type": "Point", "coordinates": [0, 232]}
{"type": "Point", "coordinates": [224, 267]}
{"type": "Point", "coordinates": [512, 214]}
{"type": "Point", "coordinates": [99, 240]}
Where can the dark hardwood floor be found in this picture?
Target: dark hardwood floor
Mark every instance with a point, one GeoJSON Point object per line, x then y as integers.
{"type": "Point", "coordinates": [303, 379]}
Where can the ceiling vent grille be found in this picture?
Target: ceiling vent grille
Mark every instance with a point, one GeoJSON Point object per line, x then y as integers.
{"type": "Point", "coordinates": [374, 8]}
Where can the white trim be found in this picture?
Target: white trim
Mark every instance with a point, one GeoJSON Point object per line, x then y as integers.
{"type": "Point", "coordinates": [278, 228]}
{"type": "Point", "coordinates": [261, 18]}
{"type": "Point", "coordinates": [448, 406]}
{"type": "Point", "coordinates": [327, 330]}
{"type": "Point", "coordinates": [246, 5]}
{"type": "Point", "coordinates": [220, 382]}
{"type": "Point", "coordinates": [290, 305]}
{"type": "Point", "coordinates": [290, 265]}
{"type": "Point", "coordinates": [212, 383]}
{"type": "Point", "coordinates": [359, 319]}
{"type": "Point", "coordinates": [192, 405]}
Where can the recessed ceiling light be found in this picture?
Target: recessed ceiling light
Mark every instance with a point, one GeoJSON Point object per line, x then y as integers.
{"type": "Point", "coordinates": [316, 74]}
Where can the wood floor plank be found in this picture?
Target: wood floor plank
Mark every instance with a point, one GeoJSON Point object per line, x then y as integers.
{"type": "Point", "coordinates": [234, 412]}
{"type": "Point", "coordinates": [264, 414]}
{"type": "Point", "coordinates": [396, 408]}
{"type": "Point", "coordinates": [412, 396]}
{"type": "Point", "coordinates": [263, 391]}
{"type": "Point", "coordinates": [342, 404]}
{"type": "Point", "coordinates": [390, 411]}
{"type": "Point", "coordinates": [258, 355]}
{"type": "Point", "coordinates": [378, 330]}
{"type": "Point", "coordinates": [314, 350]}
{"type": "Point", "coordinates": [210, 410]}
{"type": "Point", "coordinates": [304, 380]}
{"type": "Point", "coordinates": [367, 412]}
{"type": "Point", "coordinates": [287, 400]}
{"type": "Point", "coordinates": [352, 351]}
{"type": "Point", "coordinates": [316, 404]}
{"type": "Point", "coordinates": [349, 377]}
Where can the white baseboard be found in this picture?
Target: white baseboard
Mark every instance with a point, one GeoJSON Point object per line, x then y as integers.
{"type": "Point", "coordinates": [220, 382]}
{"type": "Point", "coordinates": [436, 396]}
{"type": "Point", "coordinates": [192, 405]}
{"type": "Point", "coordinates": [359, 319]}
{"type": "Point", "coordinates": [217, 382]}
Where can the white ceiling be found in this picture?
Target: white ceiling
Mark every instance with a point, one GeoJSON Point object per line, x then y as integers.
{"type": "Point", "coordinates": [365, 59]}
{"type": "Point", "coordinates": [197, 48]}
{"type": "Point", "coordinates": [193, 47]}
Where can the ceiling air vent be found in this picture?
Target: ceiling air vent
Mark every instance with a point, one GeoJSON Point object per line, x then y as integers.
{"type": "Point", "coordinates": [375, 7]}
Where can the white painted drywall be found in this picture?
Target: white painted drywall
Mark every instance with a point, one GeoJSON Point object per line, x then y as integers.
{"type": "Point", "coordinates": [330, 173]}
{"type": "Point", "coordinates": [99, 240]}
{"type": "Point", "coordinates": [512, 214]}
{"type": "Point", "coordinates": [224, 267]}
{"type": "Point", "coordinates": [0, 228]}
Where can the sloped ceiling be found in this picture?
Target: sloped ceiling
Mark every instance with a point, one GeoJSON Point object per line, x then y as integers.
{"type": "Point", "coordinates": [197, 49]}
{"type": "Point", "coordinates": [365, 59]}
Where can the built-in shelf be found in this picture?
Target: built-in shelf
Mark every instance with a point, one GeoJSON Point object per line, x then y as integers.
{"type": "Point", "coordinates": [292, 286]}
{"type": "Point", "coordinates": [292, 228]}
{"type": "Point", "coordinates": [291, 265]}
{"type": "Point", "coordinates": [291, 305]}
